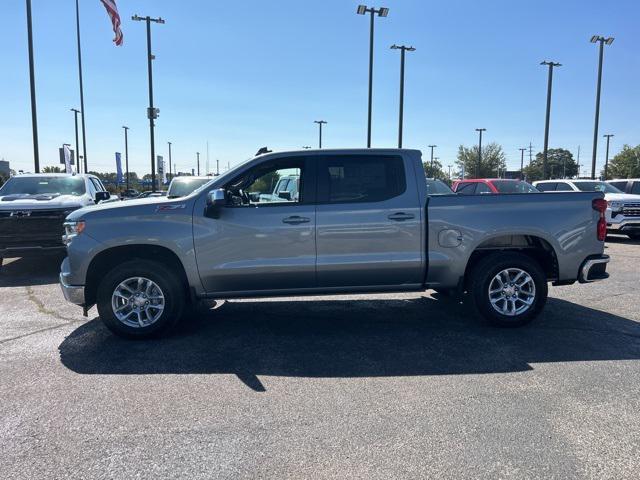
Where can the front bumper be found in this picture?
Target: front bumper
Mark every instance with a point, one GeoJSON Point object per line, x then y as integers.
{"type": "Point", "coordinates": [72, 293]}
{"type": "Point", "coordinates": [624, 224]}
{"type": "Point", "coordinates": [594, 269]}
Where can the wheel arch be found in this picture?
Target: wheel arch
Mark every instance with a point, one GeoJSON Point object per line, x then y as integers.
{"type": "Point", "coordinates": [110, 257]}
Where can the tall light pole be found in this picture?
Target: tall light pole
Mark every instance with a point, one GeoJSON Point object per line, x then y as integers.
{"type": "Point", "coordinates": [198, 162]}
{"type": "Point", "coordinates": [75, 116]}
{"type": "Point", "coordinates": [32, 80]}
{"type": "Point", "coordinates": [170, 176]}
{"type": "Point", "coordinates": [84, 134]}
{"type": "Point", "coordinates": [479, 130]}
{"type": "Point", "coordinates": [381, 12]}
{"type": "Point", "coordinates": [432, 147]}
{"type": "Point", "coordinates": [320, 123]}
{"type": "Point", "coordinates": [601, 40]}
{"type": "Point", "coordinates": [606, 161]}
{"type": "Point", "coordinates": [402, 49]}
{"type": "Point", "coordinates": [450, 171]}
{"type": "Point", "coordinates": [126, 152]}
{"type": "Point", "coordinates": [152, 113]}
{"type": "Point", "coordinates": [522, 150]}
{"type": "Point", "coordinates": [548, 115]}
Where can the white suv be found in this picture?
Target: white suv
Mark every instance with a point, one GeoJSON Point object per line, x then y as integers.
{"type": "Point", "coordinates": [623, 212]}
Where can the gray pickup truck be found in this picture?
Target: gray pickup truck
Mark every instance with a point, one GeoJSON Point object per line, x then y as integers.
{"type": "Point", "coordinates": [362, 222]}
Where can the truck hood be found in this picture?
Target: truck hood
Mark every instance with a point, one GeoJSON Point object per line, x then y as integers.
{"type": "Point", "coordinates": [143, 205]}
{"type": "Point", "coordinates": [46, 201]}
{"type": "Point", "coordinates": [622, 197]}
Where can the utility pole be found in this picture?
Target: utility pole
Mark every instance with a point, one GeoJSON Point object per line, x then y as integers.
{"type": "Point", "coordinates": [402, 49]}
{"type": "Point", "coordinates": [530, 153]}
{"type": "Point", "coordinates": [548, 115]}
{"type": "Point", "coordinates": [170, 176]}
{"type": "Point", "coordinates": [522, 150]}
{"type": "Point", "coordinates": [602, 41]}
{"type": "Point", "coordinates": [450, 171]}
{"type": "Point", "coordinates": [578, 161]}
{"type": "Point", "coordinates": [75, 115]}
{"type": "Point", "coordinates": [432, 147]}
{"type": "Point", "coordinates": [152, 113]}
{"type": "Point", "coordinates": [381, 12]}
{"type": "Point", "coordinates": [126, 152]}
{"type": "Point", "coordinates": [606, 161]}
{"type": "Point", "coordinates": [32, 80]}
{"type": "Point", "coordinates": [84, 134]}
{"type": "Point", "coordinates": [479, 130]}
{"type": "Point", "coordinates": [217, 167]}
{"type": "Point", "coordinates": [320, 123]}
{"type": "Point", "coordinates": [198, 163]}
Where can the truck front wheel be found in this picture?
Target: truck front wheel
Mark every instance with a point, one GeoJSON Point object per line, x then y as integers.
{"type": "Point", "coordinates": [140, 299]}
{"type": "Point", "coordinates": [508, 289]}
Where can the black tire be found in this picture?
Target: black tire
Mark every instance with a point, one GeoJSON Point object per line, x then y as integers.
{"type": "Point", "coordinates": [171, 287]}
{"type": "Point", "coordinates": [484, 273]}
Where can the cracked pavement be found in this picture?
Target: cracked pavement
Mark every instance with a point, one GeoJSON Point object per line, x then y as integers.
{"type": "Point", "coordinates": [359, 386]}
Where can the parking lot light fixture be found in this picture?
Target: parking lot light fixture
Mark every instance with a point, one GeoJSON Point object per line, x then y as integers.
{"type": "Point", "coordinates": [432, 147]}
{"type": "Point", "coordinates": [320, 123]}
{"type": "Point", "coordinates": [479, 130]}
{"type": "Point", "coordinates": [606, 161]}
{"type": "Point", "coordinates": [402, 49]}
{"type": "Point", "coordinates": [522, 150]}
{"type": "Point", "coordinates": [551, 65]}
{"type": "Point", "coordinates": [602, 41]}
{"type": "Point", "coordinates": [381, 12]}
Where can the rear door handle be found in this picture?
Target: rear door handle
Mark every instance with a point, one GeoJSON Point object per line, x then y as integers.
{"type": "Point", "coordinates": [295, 219]}
{"type": "Point", "coordinates": [400, 216]}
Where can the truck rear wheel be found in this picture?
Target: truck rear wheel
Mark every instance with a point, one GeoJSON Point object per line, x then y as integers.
{"type": "Point", "coordinates": [140, 299]}
{"type": "Point", "coordinates": [508, 289]}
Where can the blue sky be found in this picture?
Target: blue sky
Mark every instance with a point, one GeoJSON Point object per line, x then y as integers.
{"type": "Point", "coordinates": [242, 75]}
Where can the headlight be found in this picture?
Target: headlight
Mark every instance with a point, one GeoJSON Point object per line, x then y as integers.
{"type": "Point", "coordinates": [615, 206]}
{"type": "Point", "coordinates": [72, 230]}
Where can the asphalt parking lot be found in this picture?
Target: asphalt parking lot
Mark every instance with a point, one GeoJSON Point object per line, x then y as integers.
{"type": "Point", "coordinates": [377, 386]}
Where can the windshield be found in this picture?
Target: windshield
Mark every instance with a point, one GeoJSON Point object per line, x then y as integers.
{"type": "Point", "coordinates": [43, 186]}
{"type": "Point", "coordinates": [181, 187]}
{"type": "Point", "coordinates": [437, 187]}
{"type": "Point", "coordinates": [596, 187]}
{"type": "Point", "coordinates": [504, 186]}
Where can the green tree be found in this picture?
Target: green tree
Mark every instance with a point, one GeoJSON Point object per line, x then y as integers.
{"type": "Point", "coordinates": [493, 159]}
{"type": "Point", "coordinates": [52, 170]}
{"type": "Point", "coordinates": [626, 164]}
{"type": "Point", "coordinates": [434, 172]}
{"type": "Point", "coordinates": [560, 164]}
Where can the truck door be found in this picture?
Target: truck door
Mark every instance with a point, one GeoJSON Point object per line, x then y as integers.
{"type": "Point", "coordinates": [369, 226]}
{"type": "Point", "coordinates": [260, 241]}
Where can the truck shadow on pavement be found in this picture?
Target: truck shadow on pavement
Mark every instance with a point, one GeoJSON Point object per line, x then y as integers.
{"type": "Point", "coordinates": [24, 272]}
{"type": "Point", "coordinates": [354, 338]}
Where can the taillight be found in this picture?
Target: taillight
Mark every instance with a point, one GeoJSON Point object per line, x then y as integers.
{"type": "Point", "coordinates": [600, 205]}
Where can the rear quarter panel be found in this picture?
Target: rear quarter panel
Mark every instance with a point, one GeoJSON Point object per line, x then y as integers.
{"type": "Point", "coordinates": [565, 220]}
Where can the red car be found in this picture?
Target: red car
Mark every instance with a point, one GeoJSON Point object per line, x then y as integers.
{"type": "Point", "coordinates": [479, 186]}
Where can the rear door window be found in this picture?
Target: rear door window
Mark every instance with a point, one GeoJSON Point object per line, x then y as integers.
{"type": "Point", "coordinates": [635, 188]}
{"type": "Point", "coordinates": [563, 187]}
{"type": "Point", "coordinates": [546, 187]}
{"type": "Point", "coordinates": [621, 185]}
{"type": "Point", "coordinates": [360, 178]}
{"type": "Point", "coordinates": [468, 188]}
{"type": "Point", "coordinates": [483, 188]}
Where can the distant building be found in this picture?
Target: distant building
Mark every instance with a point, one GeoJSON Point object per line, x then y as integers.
{"type": "Point", "coordinates": [4, 168]}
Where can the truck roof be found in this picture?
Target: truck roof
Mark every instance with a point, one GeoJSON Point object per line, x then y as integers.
{"type": "Point", "coordinates": [54, 175]}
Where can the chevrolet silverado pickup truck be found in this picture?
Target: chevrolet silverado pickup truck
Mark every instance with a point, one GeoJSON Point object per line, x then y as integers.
{"type": "Point", "coordinates": [33, 208]}
{"type": "Point", "coordinates": [362, 222]}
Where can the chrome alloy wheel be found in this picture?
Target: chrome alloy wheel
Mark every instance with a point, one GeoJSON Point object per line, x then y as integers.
{"type": "Point", "coordinates": [137, 302]}
{"type": "Point", "coordinates": [512, 292]}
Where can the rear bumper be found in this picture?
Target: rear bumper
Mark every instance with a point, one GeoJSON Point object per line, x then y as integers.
{"type": "Point", "coordinates": [72, 293]}
{"type": "Point", "coordinates": [11, 252]}
{"type": "Point", "coordinates": [594, 269]}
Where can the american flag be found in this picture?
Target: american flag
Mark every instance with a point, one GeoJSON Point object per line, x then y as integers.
{"type": "Point", "coordinates": [112, 10]}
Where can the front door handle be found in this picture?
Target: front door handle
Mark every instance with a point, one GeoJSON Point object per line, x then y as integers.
{"type": "Point", "coordinates": [400, 216]}
{"type": "Point", "coordinates": [295, 219]}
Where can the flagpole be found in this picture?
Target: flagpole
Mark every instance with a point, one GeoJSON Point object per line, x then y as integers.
{"type": "Point", "coordinates": [34, 115]}
{"type": "Point", "coordinates": [84, 137]}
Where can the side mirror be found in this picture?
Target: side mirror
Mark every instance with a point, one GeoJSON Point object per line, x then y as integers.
{"type": "Point", "coordinates": [216, 199]}
{"type": "Point", "coordinates": [101, 196]}
{"type": "Point", "coordinates": [285, 196]}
